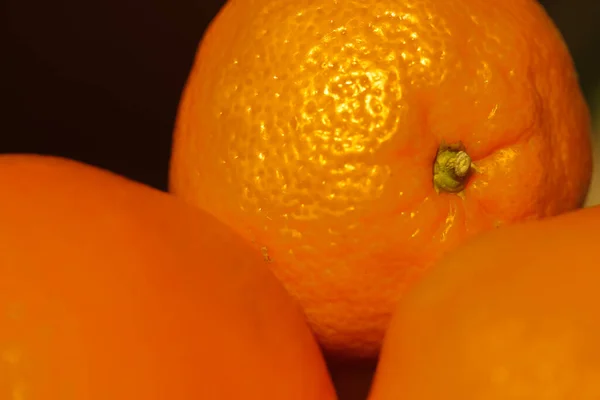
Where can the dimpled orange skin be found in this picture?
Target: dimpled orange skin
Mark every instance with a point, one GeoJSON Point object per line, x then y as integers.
{"type": "Point", "coordinates": [311, 127]}
{"type": "Point", "coordinates": [511, 315]}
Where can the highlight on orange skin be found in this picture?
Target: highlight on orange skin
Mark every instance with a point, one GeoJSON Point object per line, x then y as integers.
{"type": "Point", "coordinates": [311, 127]}
{"type": "Point", "coordinates": [513, 314]}
{"type": "Point", "coordinates": [112, 290]}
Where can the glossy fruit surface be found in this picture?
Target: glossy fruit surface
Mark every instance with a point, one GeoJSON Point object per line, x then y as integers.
{"type": "Point", "coordinates": [511, 315]}
{"type": "Point", "coordinates": [112, 290]}
{"type": "Point", "coordinates": [355, 142]}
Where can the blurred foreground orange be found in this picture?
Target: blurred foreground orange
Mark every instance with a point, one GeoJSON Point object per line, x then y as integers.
{"type": "Point", "coordinates": [512, 315]}
{"type": "Point", "coordinates": [110, 290]}
{"type": "Point", "coordinates": [355, 142]}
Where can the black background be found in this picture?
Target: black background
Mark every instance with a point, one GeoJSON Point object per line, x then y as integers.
{"type": "Point", "coordinates": [99, 81]}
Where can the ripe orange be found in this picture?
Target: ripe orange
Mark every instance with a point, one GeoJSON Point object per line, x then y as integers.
{"type": "Point", "coordinates": [511, 315]}
{"type": "Point", "coordinates": [111, 290]}
{"type": "Point", "coordinates": [339, 136]}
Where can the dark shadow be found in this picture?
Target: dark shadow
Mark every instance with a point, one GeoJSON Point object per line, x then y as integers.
{"type": "Point", "coordinates": [352, 379]}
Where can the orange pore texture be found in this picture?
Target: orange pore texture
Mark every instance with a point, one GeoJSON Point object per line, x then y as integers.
{"type": "Point", "coordinates": [311, 127]}
{"type": "Point", "coordinates": [112, 290]}
{"type": "Point", "coordinates": [511, 315]}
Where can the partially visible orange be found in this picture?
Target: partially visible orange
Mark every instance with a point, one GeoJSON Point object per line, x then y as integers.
{"type": "Point", "coordinates": [312, 128]}
{"type": "Point", "coordinates": [110, 290]}
{"type": "Point", "coordinates": [513, 314]}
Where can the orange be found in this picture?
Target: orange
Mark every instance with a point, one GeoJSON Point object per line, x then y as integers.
{"type": "Point", "coordinates": [511, 315]}
{"type": "Point", "coordinates": [356, 142]}
{"type": "Point", "coordinates": [112, 290]}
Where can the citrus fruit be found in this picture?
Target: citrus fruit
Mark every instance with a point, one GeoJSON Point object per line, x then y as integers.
{"type": "Point", "coordinates": [356, 142]}
{"type": "Point", "coordinates": [112, 290]}
{"type": "Point", "coordinates": [511, 315]}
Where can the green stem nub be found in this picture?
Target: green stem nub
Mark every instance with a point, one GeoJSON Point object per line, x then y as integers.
{"type": "Point", "coordinates": [451, 168]}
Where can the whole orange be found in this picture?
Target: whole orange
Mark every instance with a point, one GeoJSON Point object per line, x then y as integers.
{"type": "Point", "coordinates": [355, 142]}
{"type": "Point", "coordinates": [511, 315]}
{"type": "Point", "coordinates": [110, 290]}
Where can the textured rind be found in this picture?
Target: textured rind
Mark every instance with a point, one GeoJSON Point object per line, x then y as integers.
{"type": "Point", "coordinates": [311, 127]}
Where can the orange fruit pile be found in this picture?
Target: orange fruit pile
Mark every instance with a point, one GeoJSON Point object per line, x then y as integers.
{"type": "Point", "coordinates": [511, 315]}
{"type": "Point", "coordinates": [112, 290]}
{"type": "Point", "coordinates": [339, 168]}
{"type": "Point", "coordinates": [354, 143]}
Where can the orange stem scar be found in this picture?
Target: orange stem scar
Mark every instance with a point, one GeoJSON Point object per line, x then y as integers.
{"type": "Point", "coordinates": [451, 168]}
